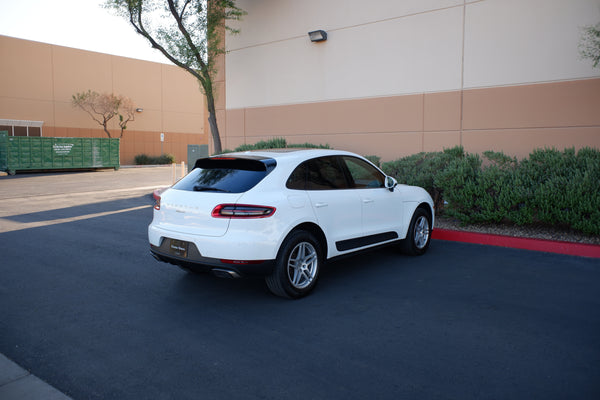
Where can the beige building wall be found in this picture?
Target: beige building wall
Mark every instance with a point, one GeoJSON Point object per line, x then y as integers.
{"type": "Point", "coordinates": [38, 80]}
{"type": "Point", "coordinates": [396, 78]}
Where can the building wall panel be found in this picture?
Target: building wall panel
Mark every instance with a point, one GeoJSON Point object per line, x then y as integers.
{"type": "Point", "coordinates": [25, 70]}
{"type": "Point", "coordinates": [38, 81]}
{"type": "Point", "coordinates": [438, 141]}
{"type": "Point", "coordinates": [442, 111]}
{"type": "Point", "coordinates": [511, 119]}
{"type": "Point", "coordinates": [421, 76]}
{"type": "Point", "coordinates": [131, 78]}
{"type": "Point", "coordinates": [510, 42]}
{"type": "Point", "coordinates": [27, 109]}
{"type": "Point", "coordinates": [573, 103]}
{"type": "Point", "coordinates": [277, 20]}
{"type": "Point", "coordinates": [391, 57]}
{"type": "Point", "coordinates": [385, 114]}
{"type": "Point", "coordinates": [78, 71]}
{"type": "Point", "coordinates": [180, 91]}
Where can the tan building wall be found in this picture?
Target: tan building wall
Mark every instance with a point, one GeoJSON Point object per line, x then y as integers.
{"type": "Point", "coordinates": [513, 119]}
{"type": "Point", "coordinates": [397, 78]}
{"type": "Point", "coordinates": [37, 82]}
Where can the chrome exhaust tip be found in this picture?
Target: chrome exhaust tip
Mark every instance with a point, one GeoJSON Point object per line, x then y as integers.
{"type": "Point", "coordinates": [225, 273]}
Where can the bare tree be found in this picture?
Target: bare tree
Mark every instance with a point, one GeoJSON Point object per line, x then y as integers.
{"type": "Point", "coordinates": [127, 112]}
{"type": "Point", "coordinates": [103, 107]}
{"type": "Point", "coordinates": [189, 33]}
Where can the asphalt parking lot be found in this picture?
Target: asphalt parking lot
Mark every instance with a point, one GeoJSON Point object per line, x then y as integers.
{"type": "Point", "coordinates": [85, 308]}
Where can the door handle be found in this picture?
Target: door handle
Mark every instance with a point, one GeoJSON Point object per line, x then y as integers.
{"type": "Point", "coordinates": [320, 205]}
{"type": "Point", "coordinates": [367, 201]}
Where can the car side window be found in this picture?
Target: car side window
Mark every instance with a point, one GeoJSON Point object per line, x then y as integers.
{"type": "Point", "coordinates": [364, 175]}
{"type": "Point", "coordinates": [297, 179]}
{"type": "Point", "coordinates": [323, 173]}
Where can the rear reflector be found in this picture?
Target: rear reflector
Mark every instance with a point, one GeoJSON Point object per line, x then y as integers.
{"type": "Point", "coordinates": [242, 211]}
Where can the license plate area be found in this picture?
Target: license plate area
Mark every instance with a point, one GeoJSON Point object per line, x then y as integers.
{"type": "Point", "coordinates": [178, 248]}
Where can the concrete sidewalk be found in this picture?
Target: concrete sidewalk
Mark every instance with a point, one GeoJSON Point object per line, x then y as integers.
{"type": "Point", "coordinates": [18, 384]}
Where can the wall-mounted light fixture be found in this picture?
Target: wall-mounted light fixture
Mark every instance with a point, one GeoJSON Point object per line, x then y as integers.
{"type": "Point", "coordinates": [317, 36]}
{"type": "Point", "coordinates": [139, 109]}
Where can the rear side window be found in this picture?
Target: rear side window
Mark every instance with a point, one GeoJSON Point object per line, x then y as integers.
{"type": "Point", "coordinates": [324, 173]}
{"type": "Point", "coordinates": [226, 174]}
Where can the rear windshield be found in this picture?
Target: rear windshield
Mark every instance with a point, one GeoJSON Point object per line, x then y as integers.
{"type": "Point", "coordinates": [226, 174]}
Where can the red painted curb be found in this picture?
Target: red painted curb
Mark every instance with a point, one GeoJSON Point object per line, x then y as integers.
{"type": "Point", "coordinates": [549, 246]}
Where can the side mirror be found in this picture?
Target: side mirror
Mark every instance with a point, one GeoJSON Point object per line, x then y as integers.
{"type": "Point", "coordinates": [390, 183]}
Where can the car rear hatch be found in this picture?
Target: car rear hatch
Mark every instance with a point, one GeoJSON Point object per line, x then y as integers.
{"type": "Point", "coordinates": [188, 206]}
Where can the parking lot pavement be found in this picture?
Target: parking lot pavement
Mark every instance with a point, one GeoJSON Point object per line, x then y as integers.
{"type": "Point", "coordinates": [86, 195]}
{"type": "Point", "coordinates": [49, 191]}
{"type": "Point", "coordinates": [68, 183]}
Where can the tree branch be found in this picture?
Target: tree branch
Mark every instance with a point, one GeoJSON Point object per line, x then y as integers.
{"type": "Point", "coordinates": [139, 27]}
{"type": "Point", "coordinates": [192, 46]}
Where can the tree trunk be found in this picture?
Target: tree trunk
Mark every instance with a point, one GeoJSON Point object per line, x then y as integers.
{"type": "Point", "coordinates": [212, 122]}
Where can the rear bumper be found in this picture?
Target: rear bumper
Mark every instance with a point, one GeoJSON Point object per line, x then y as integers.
{"type": "Point", "coordinates": [222, 268]}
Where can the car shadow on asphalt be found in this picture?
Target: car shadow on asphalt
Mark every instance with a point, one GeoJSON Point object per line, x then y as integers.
{"type": "Point", "coordinates": [338, 275]}
{"type": "Point", "coordinates": [202, 286]}
{"type": "Point", "coordinates": [81, 210]}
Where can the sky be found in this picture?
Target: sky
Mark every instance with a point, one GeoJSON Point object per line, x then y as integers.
{"type": "Point", "coordinates": [81, 24]}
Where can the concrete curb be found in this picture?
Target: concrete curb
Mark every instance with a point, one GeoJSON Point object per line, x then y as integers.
{"type": "Point", "coordinates": [548, 246]}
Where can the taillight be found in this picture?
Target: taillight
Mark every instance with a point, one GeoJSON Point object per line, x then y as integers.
{"type": "Point", "coordinates": [156, 196]}
{"type": "Point", "coordinates": [242, 211]}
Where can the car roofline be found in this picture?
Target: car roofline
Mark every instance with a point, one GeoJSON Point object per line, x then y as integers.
{"type": "Point", "coordinates": [288, 153]}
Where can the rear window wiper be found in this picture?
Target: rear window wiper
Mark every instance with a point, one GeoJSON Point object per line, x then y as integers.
{"type": "Point", "coordinates": [199, 188]}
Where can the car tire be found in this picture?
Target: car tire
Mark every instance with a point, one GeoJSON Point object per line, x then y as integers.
{"type": "Point", "coordinates": [297, 266]}
{"type": "Point", "coordinates": [418, 236]}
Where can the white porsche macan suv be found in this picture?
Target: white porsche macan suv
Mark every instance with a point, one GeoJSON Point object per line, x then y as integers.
{"type": "Point", "coordinates": [283, 213]}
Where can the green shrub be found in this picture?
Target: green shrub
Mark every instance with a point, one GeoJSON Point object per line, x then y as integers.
{"type": "Point", "coordinates": [165, 159]}
{"type": "Point", "coordinates": [566, 187]}
{"type": "Point", "coordinates": [143, 159]}
{"type": "Point", "coordinates": [275, 143]}
{"type": "Point", "coordinates": [308, 146]}
{"type": "Point", "coordinates": [421, 170]}
{"type": "Point", "coordinates": [550, 187]}
{"type": "Point", "coordinates": [456, 184]}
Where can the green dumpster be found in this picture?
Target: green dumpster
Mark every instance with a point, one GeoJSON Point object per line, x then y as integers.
{"type": "Point", "coordinates": [18, 153]}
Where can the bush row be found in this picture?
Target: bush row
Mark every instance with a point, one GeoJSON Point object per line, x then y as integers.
{"type": "Point", "coordinates": [276, 143]}
{"type": "Point", "coordinates": [549, 187]}
{"type": "Point", "coordinates": [143, 159]}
